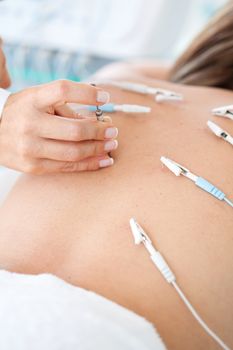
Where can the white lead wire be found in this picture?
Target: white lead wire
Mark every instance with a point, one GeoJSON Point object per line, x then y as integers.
{"type": "Point", "coordinates": [198, 318]}
{"type": "Point", "coordinates": [229, 139]}
{"type": "Point", "coordinates": [140, 236]}
{"type": "Point", "coordinates": [228, 201]}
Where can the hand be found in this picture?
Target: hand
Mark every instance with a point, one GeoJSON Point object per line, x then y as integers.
{"type": "Point", "coordinates": [4, 76]}
{"type": "Point", "coordinates": [40, 134]}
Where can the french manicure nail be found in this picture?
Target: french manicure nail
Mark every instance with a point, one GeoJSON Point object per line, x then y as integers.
{"type": "Point", "coordinates": [111, 133]}
{"type": "Point", "coordinates": [102, 96]}
{"type": "Point", "coordinates": [111, 145]}
{"type": "Point", "coordinates": [103, 163]}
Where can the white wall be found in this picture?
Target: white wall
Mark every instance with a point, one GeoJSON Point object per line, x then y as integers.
{"type": "Point", "coordinates": [110, 28]}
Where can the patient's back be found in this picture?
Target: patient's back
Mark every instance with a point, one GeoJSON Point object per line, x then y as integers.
{"type": "Point", "coordinates": [77, 226]}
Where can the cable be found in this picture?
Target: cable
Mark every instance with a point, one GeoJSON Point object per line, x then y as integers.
{"type": "Point", "coordinates": [198, 318]}
{"type": "Point", "coordinates": [228, 201]}
{"type": "Point", "coordinates": [199, 181]}
{"type": "Point", "coordinates": [125, 108]}
{"type": "Point", "coordinates": [211, 189]}
{"type": "Point", "coordinates": [229, 139]}
{"type": "Point", "coordinates": [158, 260]}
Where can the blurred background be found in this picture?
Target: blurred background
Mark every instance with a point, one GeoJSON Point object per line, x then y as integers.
{"type": "Point", "coordinates": [47, 40]}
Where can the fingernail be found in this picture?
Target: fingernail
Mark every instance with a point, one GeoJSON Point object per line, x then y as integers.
{"type": "Point", "coordinates": [111, 145]}
{"type": "Point", "coordinates": [103, 163]}
{"type": "Point", "coordinates": [111, 133]}
{"type": "Point", "coordinates": [102, 96]}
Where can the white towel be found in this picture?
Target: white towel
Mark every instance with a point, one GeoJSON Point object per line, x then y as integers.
{"type": "Point", "coordinates": [43, 312]}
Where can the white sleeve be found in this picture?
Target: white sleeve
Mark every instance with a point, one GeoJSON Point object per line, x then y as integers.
{"type": "Point", "coordinates": [4, 94]}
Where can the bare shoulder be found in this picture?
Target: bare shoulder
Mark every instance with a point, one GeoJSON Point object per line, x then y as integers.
{"type": "Point", "coordinates": [77, 226]}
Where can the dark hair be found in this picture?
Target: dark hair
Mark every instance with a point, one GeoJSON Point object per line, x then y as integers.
{"type": "Point", "coordinates": [208, 60]}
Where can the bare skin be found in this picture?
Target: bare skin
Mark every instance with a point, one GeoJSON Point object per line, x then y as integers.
{"type": "Point", "coordinates": [4, 75]}
{"type": "Point", "coordinates": [76, 226]}
{"type": "Point", "coordinates": [148, 69]}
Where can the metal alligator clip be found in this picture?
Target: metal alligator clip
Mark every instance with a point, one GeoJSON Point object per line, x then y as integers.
{"type": "Point", "coordinates": [99, 114]}
{"type": "Point", "coordinates": [178, 169]}
{"type": "Point", "coordinates": [199, 181]}
{"type": "Point", "coordinates": [140, 236]}
{"type": "Point", "coordinates": [220, 132]}
{"type": "Point", "coordinates": [224, 111]}
{"type": "Point", "coordinates": [159, 94]}
{"type": "Point", "coordinates": [166, 95]}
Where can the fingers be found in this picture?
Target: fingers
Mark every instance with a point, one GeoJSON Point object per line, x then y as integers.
{"type": "Point", "coordinates": [72, 151]}
{"type": "Point", "coordinates": [63, 91]}
{"type": "Point", "coordinates": [46, 166]}
{"type": "Point", "coordinates": [66, 112]}
{"type": "Point", "coordinates": [56, 128]}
